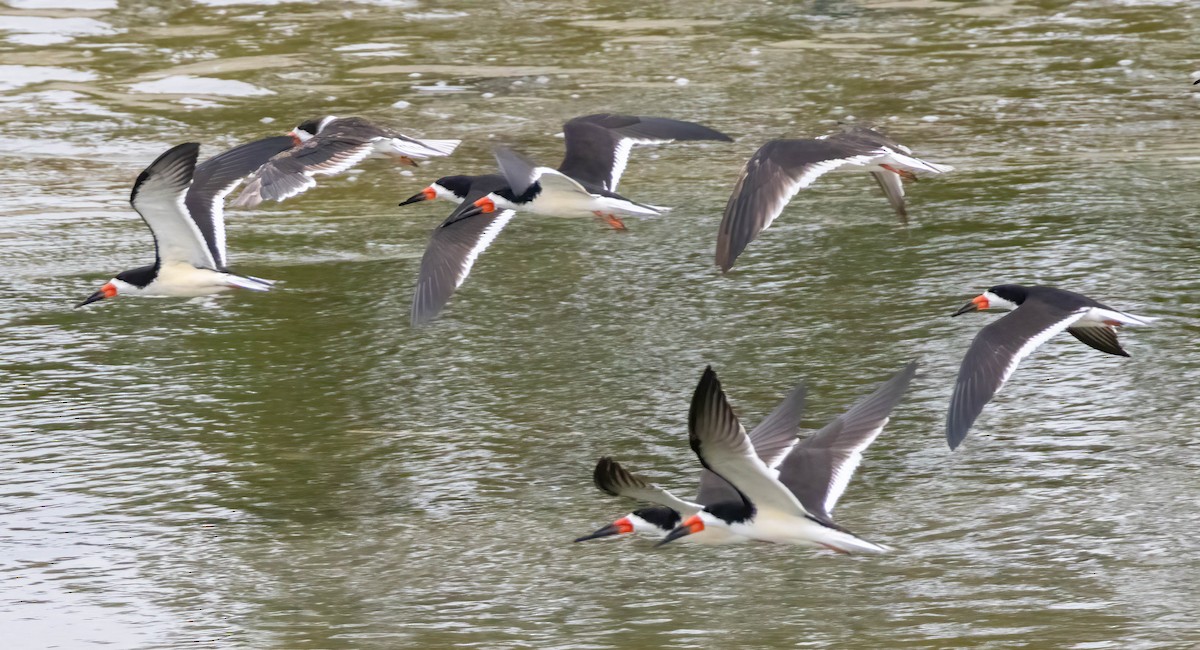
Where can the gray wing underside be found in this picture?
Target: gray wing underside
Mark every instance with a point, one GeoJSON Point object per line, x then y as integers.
{"type": "Point", "coordinates": [450, 254]}
{"type": "Point", "coordinates": [158, 196]}
{"type": "Point", "coordinates": [291, 172]}
{"type": "Point", "coordinates": [994, 355]}
{"type": "Point", "coordinates": [893, 188]}
{"type": "Point", "coordinates": [216, 177]}
{"type": "Point", "coordinates": [818, 468]}
{"type": "Point", "coordinates": [721, 444]}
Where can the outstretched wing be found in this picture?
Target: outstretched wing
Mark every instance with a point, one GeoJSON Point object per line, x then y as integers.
{"type": "Point", "coordinates": [818, 468]}
{"type": "Point", "coordinates": [158, 196]}
{"type": "Point", "coordinates": [613, 479]}
{"type": "Point", "coordinates": [291, 172]}
{"type": "Point", "coordinates": [769, 180]}
{"type": "Point", "coordinates": [724, 448]}
{"type": "Point", "coordinates": [598, 145]}
{"type": "Point", "coordinates": [994, 355]}
{"type": "Point", "coordinates": [452, 250]}
{"type": "Point", "coordinates": [216, 177]}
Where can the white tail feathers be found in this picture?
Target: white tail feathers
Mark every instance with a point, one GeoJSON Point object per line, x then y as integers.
{"type": "Point", "coordinates": [915, 164]}
{"type": "Point", "coordinates": [847, 543]}
{"type": "Point", "coordinates": [248, 282]}
{"type": "Point", "coordinates": [424, 148]}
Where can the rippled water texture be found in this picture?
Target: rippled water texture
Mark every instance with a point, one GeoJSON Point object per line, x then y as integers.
{"type": "Point", "coordinates": [302, 469]}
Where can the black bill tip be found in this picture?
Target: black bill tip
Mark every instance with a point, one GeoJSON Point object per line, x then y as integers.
{"type": "Point", "coordinates": [607, 531]}
{"type": "Point", "coordinates": [680, 531]}
{"type": "Point", "coordinates": [415, 198]}
{"type": "Point", "coordinates": [99, 295]}
{"type": "Point", "coordinates": [969, 307]}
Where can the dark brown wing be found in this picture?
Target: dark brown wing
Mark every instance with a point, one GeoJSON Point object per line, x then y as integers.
{"type": "Point", "coordinates": [769, 180]}
{"type": "Point", "coordinates": [216, 177]}
{"type": "Point", "coordinates": [291, 172]}
{"type": "Point", "coordinates": [1103, 339]}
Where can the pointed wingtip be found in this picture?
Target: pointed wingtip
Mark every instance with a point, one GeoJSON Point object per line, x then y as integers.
{"type": "Point", "coordinates": [602, 475]}
{"type": "Point", "coordinates": [954, 437]}
{"type": "Point", "coordinates": [708, 387]}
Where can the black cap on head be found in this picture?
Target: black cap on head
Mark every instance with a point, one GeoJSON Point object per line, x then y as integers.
{"type": "Point", "coordinates": [661, 516]}
{"type": "Point", "coordinates": [460, 185]}
{"type": "Point", "coordinates": [311, 126]}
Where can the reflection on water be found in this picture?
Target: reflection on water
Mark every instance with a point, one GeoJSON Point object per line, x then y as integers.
{"type": "Point", "coordinates": [300, 468]}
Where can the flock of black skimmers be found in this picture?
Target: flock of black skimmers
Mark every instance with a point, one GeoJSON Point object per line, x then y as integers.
{"type": "Point", "coordinates": [768, 485]}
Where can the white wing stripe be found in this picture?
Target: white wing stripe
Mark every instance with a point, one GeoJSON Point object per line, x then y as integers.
{"type": "Point", "coordinates": [1033, 343]}
{"type": "Point", "coordinates": [486, 238]}
{"type": "Point", "coordinates": [621, 157]}
{"type": "Point", "coordinates": [339, 163]}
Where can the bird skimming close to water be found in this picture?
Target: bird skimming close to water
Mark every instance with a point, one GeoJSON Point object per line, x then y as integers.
{"type": "Point", "coordinates": [773, 437]}
{"type": "Point", "coordinates": [597, 150]}
{"type": "Point", "coordinates": [181, 204]}
{"type": "Point", "coordinates": [792, 502]}
{"type": "Point", "coordinates": [331, 145]}
{"type": "Point", "coordinates": [781, 168]}
{"type": "Point", "coordinates": [1037, 314]}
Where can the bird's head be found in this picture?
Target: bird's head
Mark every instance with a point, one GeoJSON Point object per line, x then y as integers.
{"type": "Point", "coordinates": [658, 520]}
{"type": "Point", "coordinates": [1002, 296]}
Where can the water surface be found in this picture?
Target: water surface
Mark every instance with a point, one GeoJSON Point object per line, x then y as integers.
{"type": "Point", "coordinates": [302, 469]}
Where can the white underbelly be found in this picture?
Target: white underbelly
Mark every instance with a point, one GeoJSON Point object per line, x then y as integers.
{"type": "Point", "coordinates": [781, 529]}
{"type": "Point", "coordinates": [186, 281]}
{"type": "Point", "coordinates": [713, 536]}
{"type": "Point", "coordinates": [564, 204]}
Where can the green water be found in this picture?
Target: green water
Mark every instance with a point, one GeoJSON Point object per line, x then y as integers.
{"type": "Point", "coordinates": [301, 469]}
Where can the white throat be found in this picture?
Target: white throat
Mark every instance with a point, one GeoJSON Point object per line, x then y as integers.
{"type": "Point", "coordinates": [996, 302]}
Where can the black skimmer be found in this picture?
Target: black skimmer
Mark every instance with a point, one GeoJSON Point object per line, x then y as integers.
{"type": "Point", "coordinates": [771, 439]}
{"type": "Point", "coordinates": [182, 204]}
{"type": "Point", "coordinates": [793, 502]}
{"type": "Point", "coordinates": [597, 150]}
{"type": "Point", "coordinates": [1037, 313]}
{"type": "Point", "coordinates": [781, 168]}
{"type": "Point", "coordinates": [453, 248]}
{"type": "Point", "coordinates": [456, 188]}
{"type": "Point", "coordinates": [331, 145]}
{"type": "Point", "coordinates": [549, 192]}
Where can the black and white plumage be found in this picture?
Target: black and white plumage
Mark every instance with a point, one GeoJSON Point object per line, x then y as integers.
{"type": "Point", "coordinates": [597, 150]}
{"type": "Point", "coordinates": [186, 221]}
{"type": "Point", "coordinates": [1038, 313]}
{"type": "Point", "coordinates": [453, 248]}
{"type": "Point", "coordinates": [792, 502]}
{"type": "Point", "coordinates": [781, 168]}
{"type": "Point", "coordinates": [774, 436]}
{"type": "Point", "coordinates": [549, 192]}
{"type": "Point", "coordinates": [330, 146]}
